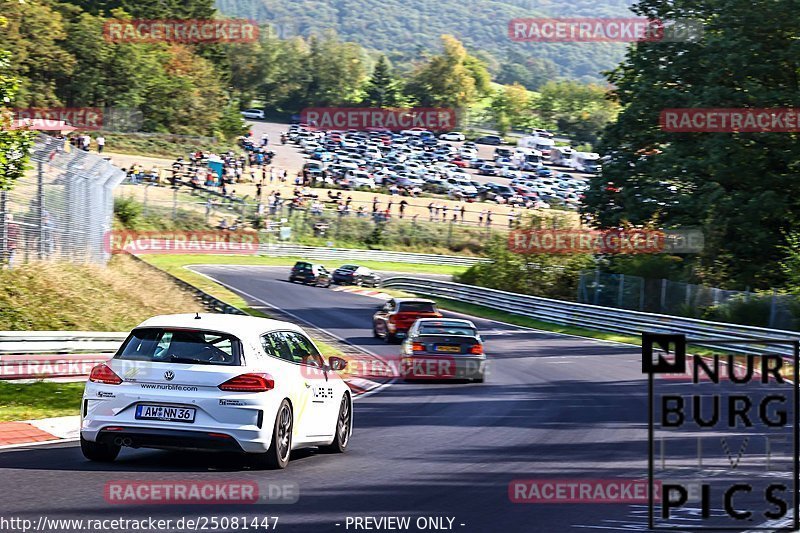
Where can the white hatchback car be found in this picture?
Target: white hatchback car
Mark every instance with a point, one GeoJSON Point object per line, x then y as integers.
{"type": "Point", "coordinates": [256, 114]}
{"type": "Point", "coordinates": [218, 383]}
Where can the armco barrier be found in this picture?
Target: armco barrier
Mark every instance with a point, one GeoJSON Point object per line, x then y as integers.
{"type": "Point", "coordinates": [54, 354]}
{"type": "Point", "coordinates": [354, 254]}
{"type": "Point", "coordinates": [599, 318]}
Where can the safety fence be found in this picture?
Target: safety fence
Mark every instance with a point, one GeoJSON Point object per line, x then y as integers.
{"type": "Point", "coordinates": [61, 209]}
{"type": "Point", "coordinates": [601, 318]}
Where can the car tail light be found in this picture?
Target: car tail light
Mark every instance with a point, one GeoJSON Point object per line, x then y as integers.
{"type": "Point", "coordinates": [476, 349]}
{"type": "Point", "coordinates": [391, 319]}
{"type": "Point", "coordinates": [417, 347]}
{"type": "Point", "coordinates": [102, 373]}
{"type": "Point", "coordinates": [249, 383]}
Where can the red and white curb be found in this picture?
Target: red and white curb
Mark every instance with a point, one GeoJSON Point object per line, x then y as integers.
{"type": "Point", "coordinates": [362, 291]}
{"type": "Point", "coordinates": [35, 432]}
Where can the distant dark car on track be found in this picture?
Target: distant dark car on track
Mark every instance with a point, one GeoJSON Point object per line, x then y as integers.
{"type": "Point", "coordinates": [310, 274]}
{"type": "Point", "coordinates": [356, 275]}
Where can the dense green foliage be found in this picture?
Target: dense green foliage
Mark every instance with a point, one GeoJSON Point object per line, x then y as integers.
{"type": "Point", "coordinates": [14, 144]}
{"type": "Point", "coordinates": [405, 28]}
{"type": "Point", "coordinates": [741, 188]}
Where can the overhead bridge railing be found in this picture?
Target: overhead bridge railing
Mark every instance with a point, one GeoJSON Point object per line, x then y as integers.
{"type": "Point", "coordinates": [601, 318]}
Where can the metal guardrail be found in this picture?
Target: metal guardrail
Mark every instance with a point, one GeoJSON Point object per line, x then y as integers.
{"type": "Point", "coordinates": [64, 342]}
{"type": "Point", "coordinates": [354, 254]}
{"type": "Point", "coordinates": [599, 318]}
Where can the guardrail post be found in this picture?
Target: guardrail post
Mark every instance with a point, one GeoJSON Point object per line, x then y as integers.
{"type": "Point", "coordinates": [3, 224]}
{"type": "Point", "coordinates": [40, 207]}
{"type": "Point", "coordinates": [663, 295]}
{"type": "Point", "coordinates": [641, 294]}
{"type": "Point", "coordinates": [620, 296]}
{"type": "Point", "coordinates": [773, 310]}
{"type": "Point", "coordinates": [596, 286]}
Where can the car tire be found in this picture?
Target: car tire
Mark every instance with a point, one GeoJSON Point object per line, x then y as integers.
{"type": "Point", "coordinates": [99, 452]}
{"type": "Point", "coordinates": [344, 422]}
{"type": "Point", "coordinates": [280, 448]}
{"type": "Point", "coordinates": [478, 380]}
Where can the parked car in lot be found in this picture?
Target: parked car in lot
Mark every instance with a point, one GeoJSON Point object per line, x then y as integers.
{"type": "Point", "coordinates": [493, 140]}
{"type": "Point", "coordinates": [396, 316]}
{"type": "Point", "coordinates": [356, 275]}
{"type": "Point", "coordinates": [310, 274]}
{"type": "Point", "coordinates": [254, 114]}
{"type": "Point", "coordinates": [496, 192]}
{"type": "Point", "coordinates": [487, 169]}
{"type": "Point", "coordinates": [452, 136]}
{"type": "Point", "coordinates": [443, 349]}
{"type": "Point", "coordinates": [213, 382]}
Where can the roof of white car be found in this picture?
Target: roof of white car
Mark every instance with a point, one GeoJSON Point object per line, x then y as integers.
{"type": "Point", "coordinates": [448, 320]}
{"type": "Point", "coordinates": [236, 325]}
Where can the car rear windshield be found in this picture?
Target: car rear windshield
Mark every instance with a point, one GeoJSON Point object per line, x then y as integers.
{"type": "Point", "coordinates": [445, 329]}
{"type": "Point", "coordinates": [416, 307]}
{"type": "Point", "coordinates": [181, 346]}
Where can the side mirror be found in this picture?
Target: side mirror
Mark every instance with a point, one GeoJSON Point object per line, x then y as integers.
{"type": "Point", "coordinates": [337, 363]}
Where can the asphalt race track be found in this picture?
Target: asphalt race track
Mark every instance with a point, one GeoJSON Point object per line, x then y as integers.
{"type": "Point", "coordinates": [552, 406]}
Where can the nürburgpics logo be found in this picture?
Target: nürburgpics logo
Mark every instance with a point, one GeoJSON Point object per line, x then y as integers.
{"type": "Point", "coordinates": [722, 448]}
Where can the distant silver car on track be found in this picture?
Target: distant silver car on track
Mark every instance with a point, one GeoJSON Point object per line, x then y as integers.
{"type": "Point", "coordinates": [444, 348]}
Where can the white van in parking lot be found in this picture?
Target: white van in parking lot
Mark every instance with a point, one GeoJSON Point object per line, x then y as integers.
{"type": "Point", "coordinates": [588, 162]}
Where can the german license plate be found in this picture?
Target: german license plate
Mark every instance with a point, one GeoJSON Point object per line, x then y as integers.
{"type": "Point", "coordinates": [448, 349]}
{"type": "Point", "coordinates": [166, 413]}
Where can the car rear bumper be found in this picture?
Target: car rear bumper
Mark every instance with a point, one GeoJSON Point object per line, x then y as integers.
{"type": "Point", "coordinates": [444, 367]}
{"type": "Point", "coordinates": [140, 437]}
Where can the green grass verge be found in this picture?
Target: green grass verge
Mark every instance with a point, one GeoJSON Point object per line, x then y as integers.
{"type": "Point", "coordinates": [170, 262]}
{"type": "Point", "coordinates": [42, 399]}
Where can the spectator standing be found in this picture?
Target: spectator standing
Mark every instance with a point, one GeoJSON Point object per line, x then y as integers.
{"type": "Point", "coordinates": [101, 143]}
{"type": "Point", "coordinates": [403, 205]}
